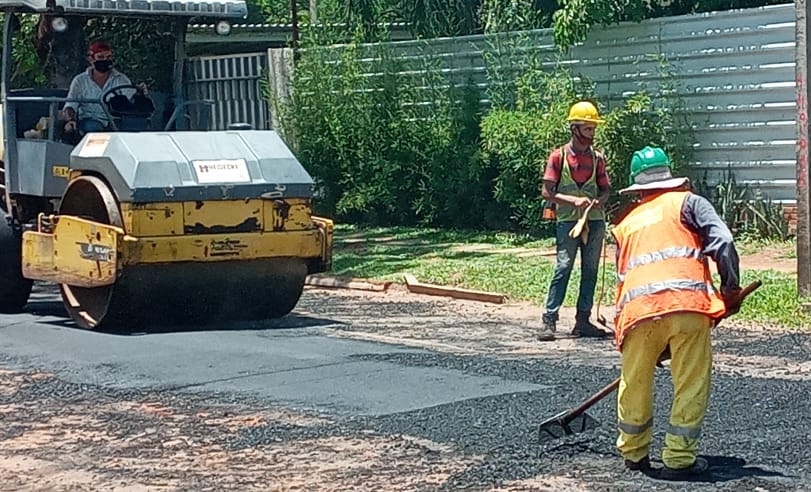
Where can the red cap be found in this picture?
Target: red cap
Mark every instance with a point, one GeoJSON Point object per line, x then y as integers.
{"type": "Point", "coordinates": [99, 46]}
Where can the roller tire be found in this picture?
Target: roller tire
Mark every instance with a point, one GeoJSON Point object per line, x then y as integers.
{"type": "Point", "coordinates": [89, 197]}
{"type": "Point", "coordinates": [14, 288]}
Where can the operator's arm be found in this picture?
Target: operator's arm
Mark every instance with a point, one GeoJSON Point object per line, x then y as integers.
{"type": "Point", "coordinates": [122, 79]}
{"type": "Point", "coordinates": [717, 243]}
{"type": "Point", "coordinates": [74, 92]}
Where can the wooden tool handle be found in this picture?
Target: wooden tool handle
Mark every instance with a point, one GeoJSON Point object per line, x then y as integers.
{"type": "Point", "coordinates": [578, 227]}
{"type": "Point", "coordinates": [588, 403]}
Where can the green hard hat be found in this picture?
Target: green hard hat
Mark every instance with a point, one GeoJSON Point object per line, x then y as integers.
{"type": "Point", "coordinates": [648, 158]}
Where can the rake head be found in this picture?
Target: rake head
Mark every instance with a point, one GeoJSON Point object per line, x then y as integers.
{"type": "Point", "coordinates": [563, 424]}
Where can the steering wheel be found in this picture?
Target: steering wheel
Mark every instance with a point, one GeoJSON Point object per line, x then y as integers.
{"type": "Point", "coordinates": [117, 91]}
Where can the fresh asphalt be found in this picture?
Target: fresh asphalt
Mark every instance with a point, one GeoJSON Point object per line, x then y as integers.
{"type": "Point", "coordinates": [287, 361]}
{"type": "Point", "coordinates": [756, 433]}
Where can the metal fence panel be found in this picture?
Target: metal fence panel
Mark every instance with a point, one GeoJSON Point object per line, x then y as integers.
{"type": "Point", "coordinates": [234, 83]}
{"type": "Point", "coordinates": [735, 75]}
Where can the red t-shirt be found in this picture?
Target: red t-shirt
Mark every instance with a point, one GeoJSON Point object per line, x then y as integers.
{"type": "Point", "coordinates": [581, 167]}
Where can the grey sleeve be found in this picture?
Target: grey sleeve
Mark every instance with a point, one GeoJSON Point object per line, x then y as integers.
{"type": "Point", "coordinates": [74, 92]}
{"type": "Point", "coordinates": [699, 215]}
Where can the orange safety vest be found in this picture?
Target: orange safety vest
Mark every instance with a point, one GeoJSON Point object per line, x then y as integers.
{"type": "Point", "coordinates": [660, 267]}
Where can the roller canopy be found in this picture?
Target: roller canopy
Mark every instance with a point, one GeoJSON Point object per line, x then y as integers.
{"type": "Point", "coordinates": [188, 8]}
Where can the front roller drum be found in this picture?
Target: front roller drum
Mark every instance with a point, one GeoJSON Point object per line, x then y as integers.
{"type": "Point", "coordinates": [176, 293]}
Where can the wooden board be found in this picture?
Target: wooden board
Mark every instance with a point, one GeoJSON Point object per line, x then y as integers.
{"type": "Point", "coordinates": [347, 283]}
{"type": "Point", "coordinates": [418, 287]}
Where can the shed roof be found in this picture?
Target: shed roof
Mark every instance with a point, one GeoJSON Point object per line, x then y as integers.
{"type": "Point", "coordinates": [187, 8]}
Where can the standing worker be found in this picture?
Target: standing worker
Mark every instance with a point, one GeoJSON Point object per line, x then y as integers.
{"type": "Point", "coordinates": [666, 302]}
{"type": "Point", "coordinates": [575, 177]}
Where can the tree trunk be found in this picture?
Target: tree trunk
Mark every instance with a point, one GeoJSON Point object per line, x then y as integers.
{"type": "Point", "coordinates": [61, 55]}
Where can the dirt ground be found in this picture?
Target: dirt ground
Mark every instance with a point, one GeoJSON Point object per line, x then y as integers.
{"type": "Point", "coordinates": [58, 437]}
{"type": "Point", "coordinates": [770, 258]}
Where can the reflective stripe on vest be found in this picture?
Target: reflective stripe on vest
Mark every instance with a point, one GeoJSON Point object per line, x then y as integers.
{"type": "Point", "coordinates": [665, 254]}
{"type": "Point", "coordinates": [688, 432]}
{"type": "Point", "coordinates": [656, 287]}
{"type": "Point", "coordinates": [567, 186]}
{"type": "Point", "coordinates": [660, 266]}
{"type": "Point", "coordinates": [634, 428]}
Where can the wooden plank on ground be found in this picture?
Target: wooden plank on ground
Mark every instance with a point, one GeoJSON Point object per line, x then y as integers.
{"type": "Point", "coordinates": [418, 287]}
{"type": "Point", "coordinates": [346, 283]}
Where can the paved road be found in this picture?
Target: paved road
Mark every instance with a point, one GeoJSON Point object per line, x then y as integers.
{"type": "Point", "coordinates": [287, 361]}
{"type": "Point", "coordinates": [367, 392]}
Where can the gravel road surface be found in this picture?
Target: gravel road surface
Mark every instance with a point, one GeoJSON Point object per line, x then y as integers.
{"type": "Point", "coordinates": [369, 391]}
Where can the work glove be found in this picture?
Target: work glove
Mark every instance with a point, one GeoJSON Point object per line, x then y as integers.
{"type": "Point", "coordinates": [732, 299]}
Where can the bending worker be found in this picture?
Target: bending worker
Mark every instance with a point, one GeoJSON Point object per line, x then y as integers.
{"type": "Point", "coordinates": [666, 301]}
{"type": "Point", "coordinates": [575, 177]}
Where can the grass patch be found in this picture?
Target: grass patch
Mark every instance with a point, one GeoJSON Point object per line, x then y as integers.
{"type": "Point", "coordinates": [784, 249]}
{"type": "Point", "coordinates": [476, 260]}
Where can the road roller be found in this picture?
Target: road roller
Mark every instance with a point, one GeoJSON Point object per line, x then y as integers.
{"type": "Point", "coordinates": [164, 221]}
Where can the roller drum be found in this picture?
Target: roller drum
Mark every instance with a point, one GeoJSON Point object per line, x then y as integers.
{"type": "Point", "coordinates": [179, 292]}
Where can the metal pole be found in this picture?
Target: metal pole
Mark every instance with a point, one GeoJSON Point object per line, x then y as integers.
{"type": "Point", "coordinates": [313, 12]}
{"type": "Point", "coordinates": [803, 49]}
{"type": "Point", "coordinates": [294, 26]}
{"type": "Point", "coordinates": [9, 120]}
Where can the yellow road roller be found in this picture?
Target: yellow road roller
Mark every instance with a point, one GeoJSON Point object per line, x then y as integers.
{"type": "Point", "coordinates": [156, 224]}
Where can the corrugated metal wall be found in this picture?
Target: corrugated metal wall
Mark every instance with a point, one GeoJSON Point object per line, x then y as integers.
{"type": "Point", "coordinates": [233, 82]}
{"type": "Point", "coordinates": [735, 74]}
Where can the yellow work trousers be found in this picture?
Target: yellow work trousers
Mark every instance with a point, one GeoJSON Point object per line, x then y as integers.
{"type": "Point", "coordinates": [688, 337]}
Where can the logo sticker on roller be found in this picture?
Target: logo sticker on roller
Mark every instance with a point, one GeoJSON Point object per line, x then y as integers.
{"type": "Point", "coordinates": [95, 252]}
{"type": "Point", "coordinates": [94, 145]}
{"type": "Point", "coordinates": [222, 171]}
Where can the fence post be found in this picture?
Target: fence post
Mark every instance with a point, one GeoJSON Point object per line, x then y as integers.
{"type": "Point", "coordinates": [803, 199]}
{"type": "Point", "coordinates": [280, 74]}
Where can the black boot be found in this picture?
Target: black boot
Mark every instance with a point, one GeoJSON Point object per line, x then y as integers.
{"type": "Point", "coordinates": [584, 328]}
{"type": "Point", "coordinates": [547, 331]}
{"type": "Point", "coordinates": [642, 465]}
{"type": "Point", "coordinates": [699, 468]}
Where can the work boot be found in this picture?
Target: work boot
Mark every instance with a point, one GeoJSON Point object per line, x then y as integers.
{"type": "Point", "coordinates": [699, 468]}
{"type": "Point", "coordinates": [642, 465]}
{"type": "Point", "coordinates": [584, 328]}
{"type": "Point", "coordinates": [547, 331]}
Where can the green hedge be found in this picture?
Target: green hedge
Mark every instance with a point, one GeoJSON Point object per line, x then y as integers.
{"type": "Point", "coordinates": [380, 155]}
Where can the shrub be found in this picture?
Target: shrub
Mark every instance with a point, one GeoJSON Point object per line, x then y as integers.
{"type": "Point", "coordinates": [746, 211]}
{"type": "Point", "coordinates": [634, 125]}
{"type": "Point", "coordinates": [392, 140]}
{"type": "Point", "coordinates": [379, 154]}
{"type": "Point", "coordinates": [518, 141]}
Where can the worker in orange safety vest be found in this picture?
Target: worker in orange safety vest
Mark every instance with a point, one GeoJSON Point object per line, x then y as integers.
{"type": "Point", "coordinates": [665, 300]}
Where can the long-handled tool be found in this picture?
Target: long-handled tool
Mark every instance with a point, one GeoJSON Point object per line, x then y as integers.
{"type": "Point", "coordinates": [576, 420]}
{"type": "Point", "coordinates": [600, 318]}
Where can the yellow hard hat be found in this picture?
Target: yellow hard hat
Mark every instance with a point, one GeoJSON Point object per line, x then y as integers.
{"type": "Point", "coordinates": [586, 112]}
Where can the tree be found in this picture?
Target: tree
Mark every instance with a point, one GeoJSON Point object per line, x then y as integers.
{"type": "Point", "coordinates": [575, 18]}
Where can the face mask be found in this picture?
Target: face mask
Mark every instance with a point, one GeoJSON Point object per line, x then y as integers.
{"type": "Point", "coordinates": [580, 137]}
{"type": "Point", "coordinates": [103, 66]}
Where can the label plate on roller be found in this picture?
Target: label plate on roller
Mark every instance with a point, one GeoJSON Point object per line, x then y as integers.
{"type": "Point", "coordinates": [222, 171]}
